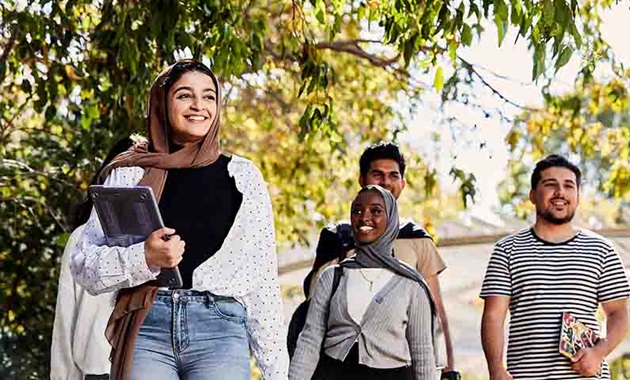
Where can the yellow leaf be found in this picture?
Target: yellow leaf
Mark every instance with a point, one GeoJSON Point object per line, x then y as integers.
{"type": "Point", "coordinates": [70, 73]}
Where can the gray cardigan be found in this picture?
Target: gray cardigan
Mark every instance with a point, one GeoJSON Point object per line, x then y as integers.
{"type": "Point", "coordinates": [395, 330]}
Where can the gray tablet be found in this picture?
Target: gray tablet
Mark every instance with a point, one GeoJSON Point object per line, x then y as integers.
{"type": "Point", "coordinates": [128, 215]}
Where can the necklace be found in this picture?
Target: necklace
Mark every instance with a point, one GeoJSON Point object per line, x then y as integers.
{"type": "Point", "coordinates": [371, 282]}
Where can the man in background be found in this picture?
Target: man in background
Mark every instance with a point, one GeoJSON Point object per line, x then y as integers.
{"type": "Point", "coordinates": [381, 164]}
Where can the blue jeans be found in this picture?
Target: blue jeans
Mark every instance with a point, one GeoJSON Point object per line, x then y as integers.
{"type": "Point", "coordinates": [194, 336]}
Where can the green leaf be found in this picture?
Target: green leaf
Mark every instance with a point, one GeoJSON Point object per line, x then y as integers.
{"type": "Point", "coordinates": [466, 35]}
{"type": "Point", "coordinates": [452, 50]}
{"type": "Point", "coordinates": [335, 137]}
{"type": "Point", "coordinates": [320, 16]}
{"type": "Point", "coordinates": [438, 81]}
{"type": "Point", "coordinates": [548, 11]}
{"type": "Point", "coordinates": [576, 35]}
{"type": "Point", "coordinates": [562, 14]}
{"type": "Point", "coordinates": [526, 23]}
{"type": "Point", "coordinates": [474, 9]}
{"type": "Point", "coordinates": [336, 28]}
{"type": "Point", "coordinates": [501, 29]}
{"type": "Point", "coordinates": [517, 12]}
{"type": "Point", "coordinates": [443, 18]}
{"type": "Point", "coordinates": [539, 61]}
{"type": "Point", "coordinates": [320, 12]}
{"type": "Point", "coordinates": [363, 11]}
{"type": "Point", "coordinates": [501, 10]}
{"type": "Point", "coordinates": [394, 32]}
{"type": "Point", "coordinates": [564, 57]}
{"type": "Point", "coordinates": [501, 19]}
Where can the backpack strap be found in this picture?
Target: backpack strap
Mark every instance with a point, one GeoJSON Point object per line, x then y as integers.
{"type": "Point", "coordinates": [336, 279]}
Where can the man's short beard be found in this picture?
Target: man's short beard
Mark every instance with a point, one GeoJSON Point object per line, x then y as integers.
{"type": "Point", "coordinates": [548, 217]}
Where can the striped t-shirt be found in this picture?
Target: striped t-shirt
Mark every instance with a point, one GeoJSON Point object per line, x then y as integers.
{"type": "Point", "coordinates": [544, 279]}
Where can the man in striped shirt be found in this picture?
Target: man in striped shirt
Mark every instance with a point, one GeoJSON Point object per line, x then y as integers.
{"type": "Point", "coordinates": [542, 271]}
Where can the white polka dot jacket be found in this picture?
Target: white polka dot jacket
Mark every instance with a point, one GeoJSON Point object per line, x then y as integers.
{"type": "Point", "coordinates": [245, 267]}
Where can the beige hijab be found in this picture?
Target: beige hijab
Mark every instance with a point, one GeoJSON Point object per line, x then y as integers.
{"type": "Point", "coordinates": [156, 158]}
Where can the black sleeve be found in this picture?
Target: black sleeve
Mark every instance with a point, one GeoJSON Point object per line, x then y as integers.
{"type": "Point", "coordinates": [329, 247]}
{"type": "Point", "coordinates": [413, 231]}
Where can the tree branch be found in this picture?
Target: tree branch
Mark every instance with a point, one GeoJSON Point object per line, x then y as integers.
{"type": "Point", "coordinates": [285, 107]}
{"type": "Point", "coordinates": [500, 76]}
{"type": "Point", "coordinates": [473, 72]}
{"type": "Point", "coordinates": [14, 163]}
{"type": "Point", "coordinates": [352, 47]}
{"type": "Point", "coordinates": [8, 47]}
{"type": "Point", "coordinates": [21, 201]}
{"type": "Point", "coordinates": [355, 42]}
{"type": "Point", "coordinates": [5, 127]}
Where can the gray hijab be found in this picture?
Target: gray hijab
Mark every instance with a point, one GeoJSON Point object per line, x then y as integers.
{"type": "Point", "coordinates": [379, 253]}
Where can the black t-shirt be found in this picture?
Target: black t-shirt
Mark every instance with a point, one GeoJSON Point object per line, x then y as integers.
{"type": "Point", "coordinates": [201, 205]}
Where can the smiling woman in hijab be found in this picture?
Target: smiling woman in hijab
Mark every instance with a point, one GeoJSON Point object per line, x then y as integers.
{"type": "Point", "coordinates": [220, 221]}
{"type": "Point", "coordinates": [379, 321]}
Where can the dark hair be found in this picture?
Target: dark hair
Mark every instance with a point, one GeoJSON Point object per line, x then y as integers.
{"type": "Point", "coordinates": [82, 211]}
{"type": "Point", "coordinates": [554, 161]}
{"type": "Point", "coordinates": [183, 67]}
{"type": "Point", "coordinates": [382, 150]}
{"type": "Point", "coordinates": [177, 71]}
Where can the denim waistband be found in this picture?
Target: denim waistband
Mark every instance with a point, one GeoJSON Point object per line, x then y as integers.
{"type": "Point", "coordinates": [188, 295]}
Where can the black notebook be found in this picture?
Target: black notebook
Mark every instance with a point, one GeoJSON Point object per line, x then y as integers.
{"type": "Point", "coordinates": [128, 215]}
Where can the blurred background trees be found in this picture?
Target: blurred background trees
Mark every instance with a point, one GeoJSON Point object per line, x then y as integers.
{"type": "Point", "coordinates": [307, 85]}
